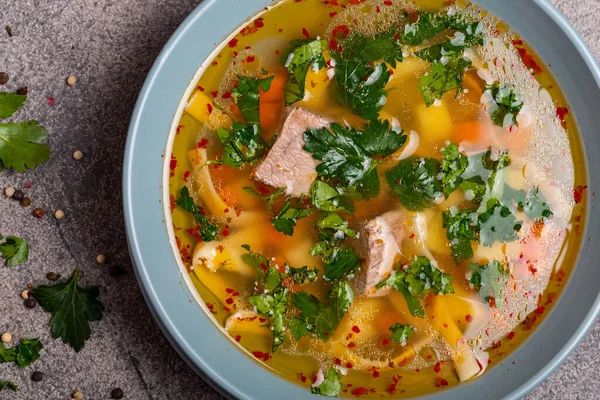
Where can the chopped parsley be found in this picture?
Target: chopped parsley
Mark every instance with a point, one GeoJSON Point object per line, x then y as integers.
{"type": "Point", "coordinates": [497, 224]}
{"type": "Point", "coordinates": [14, 250]}
{"type": "Point", "coordinates": [331, 385]}
{"type": "Point", "coordinates": [73, 307]}
{"type": "Point", "coordinates": [415, 181]}
{"type": "Point", "coordinates": [443, 78]}
{"type": "Point", "coordinates": [304, 54]}
{"type": "Point", "coordinates": [454, 164]}
{"type": "Point", "coordinates": [505, 106]}
{"type": "Point", "coordinates": [242, 144]}
{"type": "Point", "coordinates": [273, 305]}
{"type": "Point", "coordinates": [207, 230]}
{"type": "Point", "coordinates": [462, 227]}
{"type": "Point", "coordinates": [532, 203]}
{"type": "Point", "coordinates": [286, 218]}
{"type": "Point", "coordinates": [8, 385]}
{"type": "Point", "coordinates": [400, 333]}
{"type": "Point", "coordinates": [489, 280]}
{"type": "Point", "coordinates": [416, 280]}
{"type": "Point", "coordinates": [247, 94]}
{"type": "Point", "coordinates": [24, 354]}
{"type": "Point", "coordinates": [384, 46]}
{"type": "Point", "coordinates": [322, 319]}
{"type": "Point", "coordinates": [10, 103]}
{"type": "Point", "coordinates": [426, 25]}
{"type": "Point", "coordinates": [327, 198]}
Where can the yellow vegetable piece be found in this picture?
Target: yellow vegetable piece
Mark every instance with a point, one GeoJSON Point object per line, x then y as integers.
{"type": "Point", "coordinates": [199, 106]}
{"type": "Point", "coordinates": [435, 123]}
{"type": "Point", "coordinates": [436, 241]}
{"type": "Point", "coordinates": [203, 184]}
{"type": "Point", "coordinates": [410, 67]}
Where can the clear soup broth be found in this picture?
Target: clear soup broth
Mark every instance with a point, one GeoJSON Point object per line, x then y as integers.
{"type": "Point", "coordinates": [376, 198]}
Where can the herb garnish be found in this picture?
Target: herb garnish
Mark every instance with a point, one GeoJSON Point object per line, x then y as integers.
{"type": "Point", "coordinates": [426, 25]}
{"type": "Point", "coordinates": [489, 280]}
{"type": "Point", "coordinates": [14, 250]}
{"type": "Point", "coordinates": [384, 46]}
{"type": "Point", "coordinates": [327, 198]}
{"type": "Point", "coordinates": [454, 164]}
{"type": "Point", "coordinates": [400, 333]}
{"type": "Point", "coordinates": [8, 385]}
{"type": "Point", "coordinates": [304, 54]}
{"type": "Point", "coordinates": [73, 307]}
{"type": "Point", "coordinates": [331, 385]}
{"type": "Point", "coordinates": [247, 94]}
{"type": "Point", "coordinates": [415, 181]}
{"type": "Point", "coordinates": [286, 218]}
{"type": "Point", "coordinates": [208, 231]}
{"type": "Point", "coordinates": [462, 228]}
{"type": "Point", "coordinates": [24, 354]}
{"type": "Point", "coordinates": [505, 105]}
{"type": "Point", "coordinates": [242, 144]}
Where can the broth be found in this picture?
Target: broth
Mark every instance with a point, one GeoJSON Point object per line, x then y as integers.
{"type": "Point", "coordinates": [469, 328]}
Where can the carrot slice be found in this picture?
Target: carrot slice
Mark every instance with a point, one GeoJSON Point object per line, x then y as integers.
{"type": "Point", "coordinates": [272, 102]}
{"type": "Point", "coordinates": [275, 92]}
{"type": "Point", "coordinates": [473, 132]}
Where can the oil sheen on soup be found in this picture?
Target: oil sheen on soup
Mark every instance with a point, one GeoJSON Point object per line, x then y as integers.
{"type": "Point", "coordinates": [376, 198]}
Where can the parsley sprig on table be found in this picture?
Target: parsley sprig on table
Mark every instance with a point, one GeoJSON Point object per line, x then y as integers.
{"type": "Point", "coordinates": [73, 308]}
{"type": "Point", "coordinates": [24, 354]}
{"type": "Point", "coordinates": [14, 250]}
{"type": "Point", "coordinates": [8, 385]}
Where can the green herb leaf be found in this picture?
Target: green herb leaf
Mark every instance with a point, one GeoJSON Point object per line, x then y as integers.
{"type": "Point", "coordinates": [73, 308]}
{"type": "Point", "coordinates": [14, 250]}
{"type": "Point", "coordinates": [400, 333]}
{"type": "Point", "coordinates": [269, 197]}
{"type": "Point", "coordinates": [489, 280]}
{"type": "Point", "coordinates": [443, 78]}
{"type": "Point", "coordinates": [331, 386]}
{"type": "Point", "coordinates": [335, 223]}
{"type": "Point", "coordinates": [243, 144]}
{"type": "Point", "coordinates": [384, 46]}
{"type": "Point", "coordinates": [273, 306]}
{"type": "Point", "coordinates": [426, 25]}
{"type": "Point", "coordinates": [474, 187]}
{"type": "Point", "coordinates": [22, 145]}
{"type": "Point", "coordinates": [498, 223]}
{"type": "Point", "coordinates": [8, 385]}
{"type": "Point", "coordinates": [462, 228]}
{"type": "Point", "coordinates": [327, 198]}
{"type": "Point", "coordinates": [24, 354]}
{"type": "Point", "coordinates": [418, 279]}
{"type": "Point", "coordinates": [208, 231]}
{"type": "Point", "coordinates": [297, 328]}
{"type": "Point", "coordinates": [255, 260]}
{"type": "Point", "coordinates": [302, 275]}
{"type": "Point", "coordinates": [360, 86]}
{"type": "Point", "coordinates": [344, 262]}
{"type": "Point", "coordinates": [286, 219]}
{"type": "Point", "coordinates": [246, 95]}
{"type": "Point", "coordinates": [532, 203]}
{"type": "Point", "coordinates": [305, 54]}
{"type": "Point", "coordinates": [10, 103]}
{"type": "Point", "coordinates": [414, 180]}
{"type": "Point", "coordinates": [379, 139]}
{"type": "Point", "coordinates": [454, 164]}
{"type": "Point", "coordinates": [505, 106]}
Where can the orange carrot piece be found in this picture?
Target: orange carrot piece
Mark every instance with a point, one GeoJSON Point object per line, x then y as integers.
{"type": "Point", "coordinates": [270, 113]}
{"type": "Point", "coordinates": [386, 319]}
{"type": "Point", "coordinates": [471, 132]}
{"type": "Point", "coordinates": [275, 93]}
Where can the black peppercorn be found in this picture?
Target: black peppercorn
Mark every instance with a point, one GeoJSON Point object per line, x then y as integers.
{"type": "Point", "coordinates": [116, 270]}
{"type": "Point", "coordinates": [116, 393]}
{"type": "Point", "coordinates": [18, 195]}
{"type": "Point", "coordinates": [3, 78]}
{"type": "Point", "coordinates": [37, 376]}
{"type": "Point", "coordinates": [23, 91]}
{"type": "Point", "coordinates": [26, 202]}
{"type": "Point", "coordinates": [30, 303]}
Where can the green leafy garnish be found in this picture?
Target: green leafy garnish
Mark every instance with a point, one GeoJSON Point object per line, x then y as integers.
{"type": "Point", "coordinates": [273, 305]}
{"type": "Point", "coordinates": [327, 198]}
{"type": "Point", "coordinates": [497, 223]}
{"type": "Point", "coordinates": [242, 144]}
{"type": "Point", "coordinates": [507, 104]}
{"type": "Point", "coordinates": [417, 279]}
{"type": "Point", "coordinates": [344, 262]}
{"type": "Point", "coordinates": [454, 164]}
{"type": "Point", "coordinates": [8, 385]}
{"type": "Point", "coordinates": [339, 261]}
{"type": "Point", "coordinates": [331, 386]}
{"type": "Point", "coordinates": [415, 181]}
{"type": "Point", "coordinates": [400, 333]}
{"type": "Point", "coordinates": [247, 94]}
{"type": "Point", "coordinates": [323, 319]}
{"type": "Point", "coordinates": [22, 145]}
{"type": "Point", "coordinates": [489, 280]}
{"type": "Point", "coordinates": [532, 203]}
{"type": "Point", "coordinates": [303, 55]}
{"type": "Point", "coordinates": [10, 103]}
{"type": "Point", "coordinates": [24, 354]}
{"type": "Point", "coordinates": [14, 250]}
{"type": "Point", "coordinates": [360, 86]}
{"type": "Point", "coordinates": [73, 308]}
{"type": "Point", "coordinates": [462, 228]}
{"type": "Point", "coordinates": [297, 328]}
{"type": "Point", "coordinates": [208, 231]}
{"type": "Point", "coordinates": [286, 218]}
{"type": "Point", "coordinates": [443, 78]}
{"type": "Point", "coordinates": [384, 46]}
{"type": "Point", "coordinates": [302, 275]}
{"type": "Point", "coordinates": [426, 25]}
{"type": "Point", "coordinates": [270, 197]}
{"type": "Point", "coordinates": [379, 139]}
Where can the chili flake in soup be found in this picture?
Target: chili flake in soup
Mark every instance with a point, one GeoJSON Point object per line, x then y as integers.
{"type": "Point", "coordinates": [376, 197]}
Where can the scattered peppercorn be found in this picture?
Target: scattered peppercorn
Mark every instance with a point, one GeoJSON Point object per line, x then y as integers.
{"type": "Point", "coordinates": [71, 80]}
{"type": "Point", "coordinates": [52, 276]}
{"type": "Point", "coordinates": [23, 91]}
{"type": "Point", "coordinates": [59, 214]}
{"type": "Point", "coordinates": [77, 155]}
{"type": "Point", "coordinates": [9, 31]}
{"type": "Point", "coordinates": [26, 202]}
{"type": "Point", "coordinates": [116, 393]}
{"type": "Point", "coordinates": [25, 294]}
{"type": "Point", "coordinates": [37, 376]}
{"type": "Point", "coordinates": [6, 337]}
{"type": "Point", "coordinates": [3, 78]}
{"type": "Point", "coordinates": [39, 212]}
{"type": "Point", "coordinates": [9, 191]}
{"type": "Point", "coordinates": [18, 195]}
{"type": "Point", "coordinates": [30, 303]}
{"type": "Point", "coordinates": [77, 395]}
{"type": "Point", "coordinates": [116, 270]}
{"type": "Point", "coordinates": [101, 259]}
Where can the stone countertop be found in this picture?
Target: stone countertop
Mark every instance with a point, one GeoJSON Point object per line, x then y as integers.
{"type": "Point", "coordinates": [110, 45]}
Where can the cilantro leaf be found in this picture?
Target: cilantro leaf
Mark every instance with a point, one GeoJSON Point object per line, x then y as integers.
{"type": "Point", "coordinates": [22, 145]}
{"type": "Point", "coordinates": [327, 198]}
{"type": "Point", "coordinates": [242, 144]}
{"type": "Point", "coordinates": [246, 95]}
{"type": "Point", "coordinates": [419, 278]}
{"type": "Point", "coordinates": [8, 385]}
{"type": "Point", "coordinates": [286, 219]}
{"type": "Point", "coordinates": [73, 308]}
{"type": "Point", "coordinates": [474, 188]}
{"type": "Point", "coordinates": [273, 305]}
{"type": "Point", "coordinates": [323, 319]}
{"type": "Point", "coordinates": [425, 25]}
{"type": "Point", "coordinates": [489, 280]}
{"type": "Point", "coordinates": [297, 328]}
{"type": "Point", "coordinates": [24, 354]}
{"type": "Point", "coordinates": [305, 54]}
{"type": "Point", "coordinates": [454, 164]}
{"type": "Point", "coordinates": [331, 385]}
{"type": "Point", "coordinates": [335, 223]}
{"type": "Point", "coordinates": [400, 333]}
{"type": "Point", "coordinates": [360, 86]}
{"type": "Point", "coordinates": [462, 228]}
{"type": "Point", "coordinates": [497, 223]}
{"type": "Point", "coordinates": [414, 180]}
{"type": "Point", "coordinates": [344, 262]}
{"type": "Point", "coordinates": [255, 260]}
{"type": "Point", "coordinates": [208, 231]}
{"type": "Point", "coordinates": [383, 46]}
{"type": "Point", "coordinates": [14, 250]}
{"type": "Point", "coordinates": [505, 105]}
{"type": "Point", "coordinates": [10, 103]}
{"type": "Point", "coordinates": [443, 78]}
{"type": "Point", "coordinates": [531, 203]}
{"type": "Point", "coordinates": [379, 139]}
{"type": "Point", "coordinates": [302, 275]}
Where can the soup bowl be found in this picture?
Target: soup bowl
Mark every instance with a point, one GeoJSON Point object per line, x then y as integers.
{"type": "Point", "coordinates": [166, 285]}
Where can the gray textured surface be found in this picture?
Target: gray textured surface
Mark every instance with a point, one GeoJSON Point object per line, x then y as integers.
{"type": "Point", "coordinates": [110, 45]}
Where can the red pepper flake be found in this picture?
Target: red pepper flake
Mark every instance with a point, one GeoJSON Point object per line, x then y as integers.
{"type": "Point", "coordinates": [233, 42]}
{"type": "Point", "coordinates": [355, 329]}
{"type": "Point", "coordinates": [186, 175]}
{"type": "Point", "coordinates": [172, 202]}
{"type": "Point", "coordinates": [351, 2]}
{"type": "Point", "coordinates": [305, 33]}
{"type": "Point", "coordinates": [27, 185]}
{"type": "Point", "coordinates": [338, 361]}
{"type": "Point", "coordinates": [392, 388]}
{"type": "Point", "coordinates": [340, 29]}
{"type": "Point", "coordinates": [540, 310]}
{"type": "Point", "coordinates": [250, 59]}
{"type": "Point", "coordinates": [258, 354]}
{"type": "Point", "coordinates": [527, 58]}
{"type": "Point", "coordinates": [214, 63]}
{"type": "Point", "coordinates": [439, 382]}
{"type": "Point", "coordinates": [259, 23]}
{"type": "Point", "coordinates": [51, 101]}
{"type": "Point", "coordinates": [375, 374]}
{"type": "Point", "coordinates": [349, 365]}
{"type": "Point", "coordinates": [387, 2]}
{"type": "Point", "coordinates": [226, 95]}
{"type": "Point", "coordinates": [210, 108]}
{"type": "Point", "coordinates": [561, 112]}
{"type": "Point", "coordinates": [229, 300]}
{"type": "Point", "coordinates": [445, 325]}
{"type": "Point", "coordinates": [214, 94]}
{"type": "Point", "coordinates": [277, 52]}
{"type": "Point", "coordinates": [510, 336]}
{"type": "Point", "coordinates": [200, 88]}
{"type": "Point", "coordinates": [417, 370]}
{"type": "Point", "coordinates": [261, 320]}
{"type": "Point", "coordinates": [437, 367]}
{"type": "Point", "coordinates": [229, 290]}
{"type": "Point", "coordinates": [332, 14]}
{"type": "Point", "coordinates": [385, 342]}
{"type": "Point", "coordinates": [412, 235]}
{"type": "Point", "coordinates": [351, 345]}
{"type": "Point", "coordinates": [263, 190]}
{"type": "Point", "coordinates": [469, 318]}
{"type": "Point", "coordinates": [238, 338]}
{"type": "Point", "coordinates": [173, 164]}
{"type": "Point", "coordinates": [226, 232]}
{"type": "Point", "coordinates": [303, 378]}
{"type": "Point", "coordinates": [227, 309]}
{"type": "Point", "coordinates": [332, 44]}
{"type": "Point", "coordinates": [359, 391]}
{"type": "Point", "coordinates": [578, 193]}
{"type": "Point", "coordinates": [377, 9]}
{"type": "Point", "coordinates": [203, 143]}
